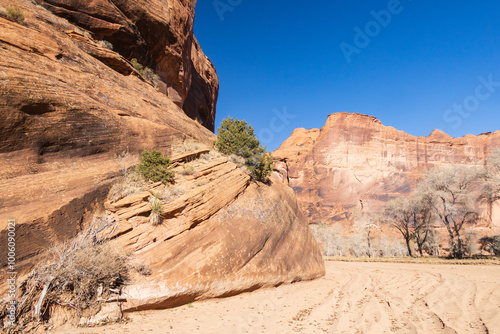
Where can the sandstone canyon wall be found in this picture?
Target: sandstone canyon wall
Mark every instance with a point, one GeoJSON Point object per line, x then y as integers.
{"type": "Point", "coordinates": [69, 105]}
{"type": "Point", "coordinates": [356, 164]}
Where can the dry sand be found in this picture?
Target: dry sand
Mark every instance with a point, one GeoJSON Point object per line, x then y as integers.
{"type": "Point", "coordinates": [351, 298]}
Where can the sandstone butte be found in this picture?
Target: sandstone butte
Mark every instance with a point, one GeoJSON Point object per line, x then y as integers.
{"type": "Point", "coordinates": [354, 164]}
{"type": "Point", "coordinates": [68, 105]}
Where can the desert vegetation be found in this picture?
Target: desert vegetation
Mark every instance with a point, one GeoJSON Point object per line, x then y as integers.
{"type": "Point", "coordinates": [81, 275]}
{"type": "Point", "coordinates": [154, 167]}
{"type": "Point", "coordinates": [237, 138]}
{"type": "Point", "coordinates": [446, 198]}
{"type": "Point", "coordinates": [13, 13]}
{"type": "Point", "coordinates": [146, 72]}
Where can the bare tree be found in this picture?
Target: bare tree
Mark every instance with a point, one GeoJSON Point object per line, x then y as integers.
{"type": "Point", "coordinates": [421, 221]}
{"type": "Point", "coordinates": [449, 191]}
{"type": "Point", "coordinates": [399, 213]}
{"type": "Point", "coordinates": [490, 192]}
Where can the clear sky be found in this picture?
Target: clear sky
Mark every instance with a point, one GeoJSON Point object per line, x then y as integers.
{"type": "Point", "coordinates": [416, 65]}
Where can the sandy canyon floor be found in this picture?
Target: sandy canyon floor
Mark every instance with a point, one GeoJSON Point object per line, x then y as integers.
{"type": "Point", "coordinates": [353, 297]}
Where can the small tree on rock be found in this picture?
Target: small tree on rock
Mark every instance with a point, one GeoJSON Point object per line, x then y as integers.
{"type": "Point", "coordinates": [237, 137]}
{"type": "Point", "coordinates": [154, 167]}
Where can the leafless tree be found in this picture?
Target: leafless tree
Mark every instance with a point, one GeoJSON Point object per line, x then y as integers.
{"type": "Point", "coordinates": [449, 191]}
{"type": "Point", "coordinates": [399, 213]}
{"type": "Point", "coordinates": [490, 192]}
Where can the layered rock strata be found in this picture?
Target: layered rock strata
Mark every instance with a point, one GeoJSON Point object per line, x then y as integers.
{"type": "Point", "coordinates": [355, 164]}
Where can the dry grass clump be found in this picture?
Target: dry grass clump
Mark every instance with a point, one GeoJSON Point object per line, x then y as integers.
{"type": "Point", "coordinates": [141, 268]}
{"type": "Point", "coordinates": [172, 193]}
{"type": "Point", "coordinates": [237, 160]}
{"type": "Point", "coordinates": [13, 13]}
{"type": "Point", "coordinates": [155, 216]}
{"type": "Point", "coordinates": [81, 274]}
{"type": "Point", "coordinates": [131, 184]}
{"type": "Point", "coordinates": [212, 155]}
{"type": "Point", "coordinates": [187, 170]}
{"type": "Point", "coordinates": [240, 162]}
{"type": "Point", "coordinates": [187, 146]}
{"type": "Point", "coordinates": [146, 72]}
{"type": "Point", "coordinates": [126, 160]}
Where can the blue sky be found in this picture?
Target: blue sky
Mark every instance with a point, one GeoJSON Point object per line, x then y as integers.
{"type": "Point", "coordinates": [416, 65]}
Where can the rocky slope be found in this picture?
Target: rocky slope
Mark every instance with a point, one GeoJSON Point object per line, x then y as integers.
{"type": "Point", "coordinates": [203, 247]}
{"type": "Point", "coordinates": [68, 104]}
{"type": "Point", "coordinates": [74, 116]}
{"type": "Point", "coordinates": [355, 164]}
{"type": "Point", "coordinates": [210, 241]}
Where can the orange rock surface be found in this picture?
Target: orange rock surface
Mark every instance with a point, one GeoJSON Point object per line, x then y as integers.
{"type": "Point", "coordinates": [216, 241]}
{"type": "Point", "coordinates": [70, 108]}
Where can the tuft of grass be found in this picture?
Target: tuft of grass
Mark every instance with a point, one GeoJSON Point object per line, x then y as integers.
{"type": "Point", "coordinates": [172, 193]}
{"type": "Point", "coordinates": [155, 216]}
{"type": "Point", "coordinates": [146, 72]}
{"type": "Point", "coordinates": [206, 157]}
{"type": "Point", "coordinates": [14, 13]}
{"type": "Point", "coordinates": [187, 146]}
{"type": "Point", "coordinates": [188, 170]}
{"type": "Point", "coordinates": [130, 184]}
{"type": "Point", "coordinates": [106, 44]}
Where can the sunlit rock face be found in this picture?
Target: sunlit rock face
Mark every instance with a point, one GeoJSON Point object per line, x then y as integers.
{"type": "Point", "coordinates": [356, 164]}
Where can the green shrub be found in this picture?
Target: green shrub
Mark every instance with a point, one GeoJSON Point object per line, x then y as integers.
{"type": "Point", "coordinates": [237, 137]}
{"type": "Point", "coordinates": [154, 167]}
{"type": "Point", "coordinates": [135, 64]}
{"type": "Point", "coordinates": [262, 167]}
{"type": "Point", "coordinates": [15, 14]}
{"type": "Point", "coordinates": [146, 72]}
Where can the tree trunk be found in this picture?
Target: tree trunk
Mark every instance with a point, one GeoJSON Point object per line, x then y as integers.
{"type": "Point", "coordinates": [459, 251]}
{"type": "Point", "coordinates": [408, 246]}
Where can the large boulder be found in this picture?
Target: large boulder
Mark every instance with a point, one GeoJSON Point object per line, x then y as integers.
{"type": "Point", "coordinates": [214, 241]}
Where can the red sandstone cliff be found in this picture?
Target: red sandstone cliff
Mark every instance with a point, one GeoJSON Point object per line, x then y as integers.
{"type": "Point", "coordinates": [355, 163]}
{"type": "Point", "coordinates": [69, 105]}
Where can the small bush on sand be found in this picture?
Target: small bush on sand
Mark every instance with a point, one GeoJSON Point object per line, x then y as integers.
{"type": "Point", "coordinates": [154, 167]}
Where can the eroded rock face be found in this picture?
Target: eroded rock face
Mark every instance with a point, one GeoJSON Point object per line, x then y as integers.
{"type": "Point", "coordinates": [159, 34]}
{"type": "Point", "coordinates": [356, 164]}
{"type": "Point", "coordinates": [68, 105]}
